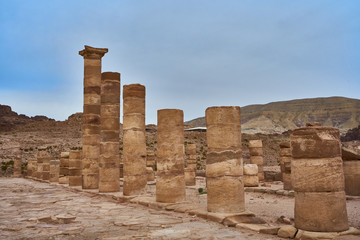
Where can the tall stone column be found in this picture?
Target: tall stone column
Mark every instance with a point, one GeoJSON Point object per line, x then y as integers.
{"type": "Point", "coordinates": [109, 173]}
{"type": "Point", "coordinates": [75, 168]}
{"type": "Point", "coordinates": [285, 164]}
{"type": "Point", "coordinates": [224, 166]}
{"type": "Point", "coordinates": [318, 179]}
{"type": "Point", "coordinates": [170, 181]}
{"type": "Point", "coordinates": [17, 167]}
{"type": "Point", "coordinates": [256, 156]}
{"type": "Point", "coordinates": [134, 141]}
{"type": "Point", "coordinates": [64, 168]}
{"type": "Point", "coordinates": [54, 170]}
{"type": "Point", "coordinates": [190, 170]}
{"type": "Point", "coordinates": [91, 116]}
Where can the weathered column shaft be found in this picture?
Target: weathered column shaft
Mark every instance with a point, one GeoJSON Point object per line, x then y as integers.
{"type": "Point", "coordinates": [224, 167]}
{"type": "Point", "coordinates": [251, 177]}
{"type": "Point", "coordinates": [190, 170]}
{"type": "Point", "coordinates": [31, 167]}
{"type": "Point", "coordinates": [256, 156]}
{"type": "Point", "coordinates": [110, 128]}
{"type": "Point", "coordinates": [285, 164]}
{"type": "Point", "coordinates": [150, 159]}
{"type": "Point", "coordinates": [170, 181]}
{"type": "Point", "coordinates": [91, 116]}
{"type": "Point", "coordinates": [134, 141]}
{"type": "Point", "coordinates": [75, 168]}
{"type": "Point", "coordinates": [54, 170]}
{"type": "Point", "coordinates": [64, 168]}
{"type": "Point", "coordinates": [34, 168]}
{"type": "Point", "coordinates": [43, 160]}
{"type": "Point", "coordinates": [318, 179]}
{"type": "Point", "coordinates": [17, 167]}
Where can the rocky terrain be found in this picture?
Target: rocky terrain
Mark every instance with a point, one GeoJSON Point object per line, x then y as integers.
{"type": "Point", "coordinates": [22, 136]}
{"type": "Point", "coordinates": [278, 117]}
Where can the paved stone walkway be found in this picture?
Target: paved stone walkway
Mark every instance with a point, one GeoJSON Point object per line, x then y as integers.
{"type": "Point", "coordinates": [35, 210]}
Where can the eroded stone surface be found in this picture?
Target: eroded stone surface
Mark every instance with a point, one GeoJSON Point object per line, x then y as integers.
{"type": "Point", "coordinates": [224, 167]}
{"type": "Point", "coordinates": [43, 211]}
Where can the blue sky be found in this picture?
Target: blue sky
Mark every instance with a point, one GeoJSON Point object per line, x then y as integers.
{"type": "Point", "coordinates": [190, 55]}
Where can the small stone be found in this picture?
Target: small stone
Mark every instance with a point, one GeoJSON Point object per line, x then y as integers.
{"type": "Point", "coordinates": [287, 231]}
{"type": "Point", "coordinates": [270, 230]}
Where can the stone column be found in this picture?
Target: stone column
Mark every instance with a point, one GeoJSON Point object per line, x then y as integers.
{"type": "Point", "coordinates": [351, 164]}
{"type": "Point", "coordinates": [34, 168]}
{"type": "Point", "coordinates": [224, 166]}
{"type": "Point", "coordinates": [54, 170]}
{"type": "Point", "coordinates": [17, 167]}
{"type": "Point", "coordinates": [285, 164]}
{"type": "Point", "coordinates": [318, 179]}
{"type": "Point", "coordinates": [91, 116]}
{"type": "Point", "coordinates": [43, 165]}
{"type": "Point", "coordinates": [46, 166]}
{"type": "Point", "coordinates": [150, 159]}
{"type": "Point", "coordinates": [256, 156]}
{"type": "Point", "coordinates": [251, 177]}
{"type": "Point", "coordinates": [134, 141]}
{"type": "Point", "coordinates": [109, 174]}
{"type": "Point", "coordinates": [30, 167]}
{"type": "Point", "coordinates": [190, 170]}
{"type": "Point", "coordinates": [170, 181]}
{"type": "Point", "coordinates": [64, 168]}
{"type": "Point", "coordinates": [75, 168]}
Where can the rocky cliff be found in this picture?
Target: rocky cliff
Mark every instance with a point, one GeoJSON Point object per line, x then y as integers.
{"type": "Point", "coordinates": [277, 117]}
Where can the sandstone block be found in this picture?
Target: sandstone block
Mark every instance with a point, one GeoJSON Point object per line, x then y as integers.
{"type": "Point", "coordinates": [352, 177]}
{"type": "Point", "coordinates": [255, 144]}
{"type": "Point", "coordinates": [256, 151]}
{"type": "Point", "coordinates": [150, 174]}
{"type": "Point", "coordinates": [315, 142]}
{"type": "Point", "coordinates": [231, 167]}
{"type": "Point", "coordinates": [321, 211]}
{"type": "Point", "coordinates": [317, 175]}
{"type": "Point", "coordinates": [170, 189]}
{"type": "Point", "coordinates": [251, 180]}
{"type": "Point", "coordinates": [287, 231]}
{"type": "Point", "coordinates": [251, 169]}
{"type": "Point", "coordinates": [223, 194]}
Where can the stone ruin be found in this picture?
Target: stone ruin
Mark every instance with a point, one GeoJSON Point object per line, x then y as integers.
{"type": "Point", "coordinates": [312, 163]}
{"type": "Point", "coordinates": [351, 164]}
{"type": "Point", "coordinates": [285, 164]}
{"type": "Point", "coordinates": [224, 166]}
{"type": "Point", "coordinates": [109, 174]}
{"type": "Point", "coordinates": [256, 156]}
{"type": "Point", "coordinates": [170, 181]}
{"type": "Point", "coordinates": [134, 141]}
{"type": "Point", "coordinates": [190, 170]}
{"type": "Point", "coordinates": [318, 179]}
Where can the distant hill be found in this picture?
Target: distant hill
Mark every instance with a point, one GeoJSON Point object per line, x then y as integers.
{"type": "Point", "coordinates": [10, 119]}
{"type": "Point", "coordinates": [278, 117]}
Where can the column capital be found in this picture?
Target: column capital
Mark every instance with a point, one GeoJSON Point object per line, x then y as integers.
{"type": "Point", "coordinates": [93, 53]}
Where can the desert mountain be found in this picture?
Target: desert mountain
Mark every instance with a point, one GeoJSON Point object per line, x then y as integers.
{"type": "Point", "coordinates": [10, 119]}
{"type": "Point", "coordinates": [278, 117]}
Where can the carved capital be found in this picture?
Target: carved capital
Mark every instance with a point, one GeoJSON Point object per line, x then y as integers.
{"type": "Point", "coordinates": [93, 53]}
